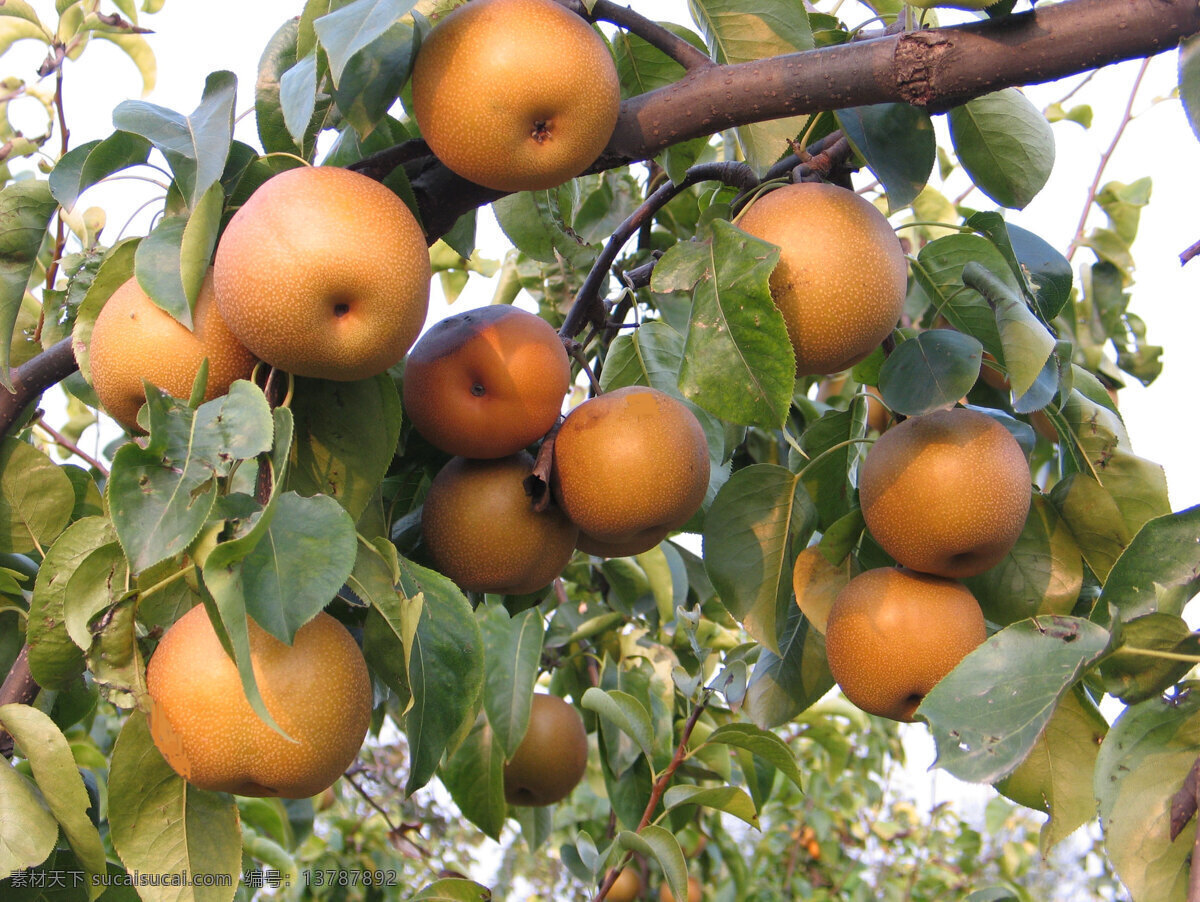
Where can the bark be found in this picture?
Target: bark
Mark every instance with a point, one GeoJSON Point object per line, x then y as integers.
{"type": "Point", "coordinates": [935, 69]}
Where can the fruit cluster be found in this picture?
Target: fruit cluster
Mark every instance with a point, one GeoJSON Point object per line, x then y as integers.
{"type": "Point", "coordinates": [946, 496]}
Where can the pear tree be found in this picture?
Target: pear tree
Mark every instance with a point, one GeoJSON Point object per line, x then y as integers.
{"type": "Point", "coordinates": [701, 740]}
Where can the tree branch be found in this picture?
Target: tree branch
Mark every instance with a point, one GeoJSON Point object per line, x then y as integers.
{"type": "Point", "coordinates": [648, 30]}
{"type": "Point", "coordinates": [19, 688]}
{"type": "Point", "coordinates": [935, 69]}
{"type": "Point", "coordinates": [32, 378]}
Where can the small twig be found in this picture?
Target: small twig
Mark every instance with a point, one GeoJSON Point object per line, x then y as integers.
{"type": "Point", "coordinates": [1126, 118]}
{"type": "Point", "coordinates": [587, 306]}
{"type": "Point", "coordinates": [648, 30]}
{"type": "Point", "coordinates": [19, 688]}
{"type": "Point", "coordinates": [32, 378]}
{"type": "Point", "coordinates": [1191, 252]}
{"type": "Point", "coordinates": [63, 442]}
{"type": "Point", "coordinates": [349, 775]}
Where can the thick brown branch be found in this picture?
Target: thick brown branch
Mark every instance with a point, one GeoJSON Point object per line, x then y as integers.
{"type": "Point", "coordinates": [935, 69]}
{"type": "Point", "coordinates": [19, 688]}
{"type": "Point", "coordinates": [32, 378]}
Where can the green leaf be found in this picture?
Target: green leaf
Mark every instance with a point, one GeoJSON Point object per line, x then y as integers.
{"type": "Point", "coordinates": [28, 831]}
{"type": "Point", "coordinates": [277, 58]}
{"type": "Point", "coordinates": [26, 207]}
{"type": "Point", "coordinates": [452, 889]}
{"type": "Point", "coordinates": [157, 264]}
{"type": "Point", "coordinates": [161, 824]}
{"type": "Point", "coordinates": [1189, 80]}
{"type": "Point", "coordinates": [1005, 144]}
{"type": "Point", "coordinates": [535, 223]}
{"type": "Point", "coordinates": [512, 653]}
{"type": "Point", "coordinates": [346, 436]}
{"type": "Point", "coordinates": [729, 799]}
{"type": "Point", "coordinates": [298, 96]}
{"type": "Point", "coordinates": [21, 10]}
{"type": "Point", "coordinates": [43, 745]}
{"type": "Point", "coordinates": [929, 371]}
{"type": "Point", "coordinates": [642, 67]}
{"type": "Point", "coordinates": [737, 360]}
{"type": "Point", "coordinates": [1092, 516]}
{"type": "Point", "coordinates": [748, 535]}
{"type": "Point", "coordinates": [1027, 343]}
{"type": "Point", "coordinates": [736, 33]}
{"type": "Point", "coordinates": [97, 582]}
{"type": "Point", "coordinates": [115, 270]}
{"type": "Point", "coordinates": [1056, 776]}
{"type": "Point", "coordinates": [785, 684]}
{"type": "Point", "coordinates": [623, 711]}
{"type": "Point", "coordinates": [762, 744]}
{"type": "Point", "coordinates": [1042, 574]}
{"type": "Point", "coordinates": [1138, 668]}
{"type": "Point", "coordinates": [54, 659]}
{"type": "Point", "coordinates": [85, 165]}
{"type": "Point", "coordinates": [661, 845]}
{"type": "Point", "coordinates": [195, 146]}
{"type": "Point", "coordinates": [898, 143]}
{"type": "Point", "coordinates": [36, 498]}
{"type": "Point", "coordinates": [474, 775]}
{"type": "Point", "coordinates": [445, 670]}
{"type": "Point", "coordinates": [348, 30]}
{"type": "Point", "coordinates": [1159, 570]}
{"type": "Point", "coordinates": [1142, 764]}
{"type": "Point", "coordinates": [374, 78]}
{"type": "Point", "coordinates": [939, 270]}
{"type": "Point", "coordinates": [292, 568]}
{"type": "Point", "coordinates": [986, 714]}
{"type": "Point", "coordinates": [1049, 271]}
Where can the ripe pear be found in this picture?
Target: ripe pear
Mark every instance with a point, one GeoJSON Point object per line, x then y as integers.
{"type": "Point", "coordinates": [551, 759]}
{"type": "Point", "coordinates": [694, 891]}
{"type": "Point", "coordinates": [893, 634]}
{"type": "Point", "coordinates": [486, 383]}
{"type": "Point", "coordinates": [946, 493]}
{"type": "Point", "coordinates": [135, 339]}
{"type": "Point", "coordinates": [482, 531]}
{"type": "Point", "coordinates": [627, 887]}
{"type": "Point", "coordinates": [630, 466]}
{"type": "Point", "coordinates": [841, 278]}
{"type": "Point", "coordinates": [515, 95]}
{"type": "Point", "coordinates": [324, 272]}
{"type": "Point", "coordinates": [317, 689]}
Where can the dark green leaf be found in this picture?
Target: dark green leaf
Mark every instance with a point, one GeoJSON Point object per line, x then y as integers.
{"type": "Point", "coordinates": [729, 799]}
{"type": "Point", "coordinates": [939, 270]}
{"type": "Point", "coordinates": [452, 889]}
{"type": "Point", "coordinates": [474, 775]}
{"type": "Point", "coordinates": [85, 165]}
{"type": "Point", "coordinates": [1146, 661]}
{"type": "Point", "coordinates": [623, 711]}
{"type": "Point", "coordinates": [298, 96]}
{"type": "Point", "coordinates": [195, 146]}
{"type": "Point", "coordinates": [748, 535]}
{"type": "Point", "coordinates": [445, 670]}
{"type": "Point", "coordinates": [929, 371]}
{"type": "Point", "coordinates": [1046, 268]}
{"type": "Point", "coordinates": [986, 713]}
{"type": "Point", "coordinates": [1091, 514]}
{"type": "Point", "coordinates": [762, 744]}
{"type": "Point", "coordinates": [374, 77]}
{"type": "Point", "coordinates": [898, 143]}
{"type": "Point", "coordinates": [642, 67]}
{"type": "Point", "coordinates": [157, 265]}
{"type": "Point", "coordinates": [1160, 570]}
{"type": "Point", "coordinates": [785, 684]}
{"type": "Point", "coordinates": [277, 58]}
{"type": "Point", "coordinates": [25, 210]}
{"type": "Point", "coordinates": [512, 653]}
{"type": "Point", "coordinates": [1027, 343]}
{"type": "Point", "coordinates": [346, 31]}
{"type": "Point", "coordinates": [1005, 144]}
{"type": "Point", "coordinates": [661, 845]}
{"type": "Point", "coordinates": [737, 360]}
{"type": "Point", "coordinates": [534, 222]}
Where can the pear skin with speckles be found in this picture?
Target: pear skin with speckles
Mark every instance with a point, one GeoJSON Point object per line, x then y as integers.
{"type": "Point", "coordinates": [552, 757]}
{"type": "Point", "coordinates": [893, 634]}
{"type": "Point", "coordinates": [515, 95]}
{"type": "Point", "coordinates": [946, 493]}
{"type": "Point", "coordinates": [841, 278]}
{"type": "Point", "coordinates": [317, 689]}
{"type": "Point", "coordinates": [324, 272]}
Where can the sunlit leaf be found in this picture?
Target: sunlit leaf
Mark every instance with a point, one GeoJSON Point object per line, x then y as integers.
{"type": "Point", "coordinates": [25, 210]}
{"type": "Point", "coordinates": [28, 831]}
{"type": "Point", "coordinates": [36, 498]}
{"type": "Point", "coordinates": [1160, 570]}
{"type": "Point", "coordinates": [85, 165]}
{"type": "Point", "coordinates": [512, 652]}
{"type": "Point", "coordinates": [1005, 144]}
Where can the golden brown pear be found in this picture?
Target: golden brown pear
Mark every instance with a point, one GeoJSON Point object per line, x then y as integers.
{"type": "Point", "coordinates": [318, 690]}
{"type": "Point", "coordinates": [841, 278]}
{"type": "Point", "coordinates": [324, 272]}
{"type": "Point", "coordinates": [694, 891]}
{"type": "Point", "coordinates": [515, 95]}
{"type": "Point", "coordinates": [946, 493]}
{"type": "Point", "coordinates": [551, 759]}
{"type": "Point", "coordinates": [627, 887]}
{"type": "Point", "coordinates": [135, 339]}
{"type": "Point", "coordinates": [630, 465]}
{"type": "Point", "coordinates": [893, 634]}
{"type": "Point", "coordinates": [481, 529]}
{"type": "Point", "coordinates": [486, 383]}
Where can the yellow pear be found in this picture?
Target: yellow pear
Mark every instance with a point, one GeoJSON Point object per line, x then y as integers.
{"type": "Point", "coordinates": [317, 689]}
{"type": "Point", "coordinates": [515, 95]}
{"type": "Point", "coordinates": [946, 493]}
{"type": "Point", "coordinates": [841, 278]}
{"type": "Point", "coordinates": [893, 634]}
{"type": "Point", "coordinates": [324, 272]}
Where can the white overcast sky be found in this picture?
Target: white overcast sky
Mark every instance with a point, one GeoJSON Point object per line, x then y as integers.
{"type": "Point", "coordinates": [194, 39]}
